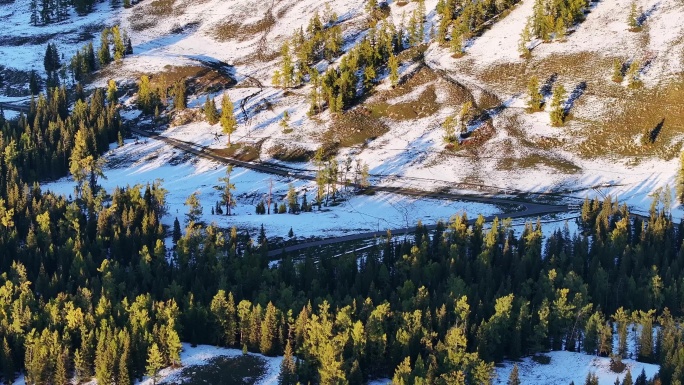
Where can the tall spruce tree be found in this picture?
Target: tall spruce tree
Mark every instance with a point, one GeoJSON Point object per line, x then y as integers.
{"type": "Point", "coordinates": [536, 100]}
{"type": "Point", "coordinates": [228, 121]}
{"type": "Point", "coordinates": [514, 377]}
{"type": "Point", "coordinates": [179, 95]}
{"type": "Point", "coordinates": [103, 54]}
{"type": "Point", "coordinates": [155, 362]}
{"type": "Point", "coordinates": [557, 106]}
{"type": "Point", "coordinates": [288, 367]}
{"type": "Point", "coordinates": [210, 111]}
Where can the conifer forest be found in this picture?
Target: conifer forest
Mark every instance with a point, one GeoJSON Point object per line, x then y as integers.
{"type": "Point", "coordinates": [429, 192]}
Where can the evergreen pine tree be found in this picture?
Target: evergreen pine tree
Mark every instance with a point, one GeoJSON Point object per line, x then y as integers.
{"type": "Point", "coordinates": [268, 330]}
{"type": "Point", "coordinates": [194, 209]}
{"type": "Point", "coordinates": [173, 345]}
{"type": "Point", "coordinates": [633, 74]}
{"type": "Point", "coordinates": [286, 75]}
{"type": "Point", "coordinates": [641, 378]}
{"type": "Point", "coordinates": [34, 82]}
{"type": "Point", "coordinates": [147, 98]}
{"type": "Point", "coordinates": [176, 231]}
{"type": "Point", "coordinates": [628, 378]}
{"type": "Point", "coordinates": [617, 71]}
{"type": "Point", "coordinates": [305, 204]}
{"type": "Point", "coordinates": [284, 122]}
{"type": "Point", "coordinates": [223, 310]}
{"type": "Point", "coordinates": [228, 121]}
{"type": "Point", "coordinates": [33, 9]}
{"type": "Point", "coordinates": [292, 203]}
{"type": "Point", "coordinates": [560, 29]}
{"type": "Point", "coordinates": [7, 362]}
{"type": "Point", "coordinates": [129, 46]}
{"type": "Point", "coordinates": [368, 77]}
{"type": "Point", "coordinates": [111, 91]}
{"type": "Point", "coordinates": [514, 377]}
{"type": "Point", "coordinates": [62, 368]}
{"type": "Point", "coordinates": [123, 376]}
{"type": "Point", "coordinates": [402, 373]}
{"type": "Point", "coordinates": [449, 127]}
{"type": "Point", "coordinates": [155, 361]}
{"type": "Point", "coordinates": [536, 98]}
{"type": "Point", "coordinates": [90, 57]}
{"type": "Point", "coordinates": [79, 365]}
{"type": "Point", "coordinates": [393, 65]}
{"type": "Point", "coordinates": [288, 368]}
{"type": "Point", "coordinates": [632, 20]}
{"type": "Point", "coordinates": [118, 42]}
{"type": "Point", "coordinates": [103, 54]}
{"type": "Point", "coordinates": [210, 111]}
{"type": "Point", "coordinates": [227, 190]}
{"type": "Point", "coordinates": [179, 95]}
{"type": "Point", "coordinates": [557, 106]}
{"type": "Point", "coordinates": [51, 60]}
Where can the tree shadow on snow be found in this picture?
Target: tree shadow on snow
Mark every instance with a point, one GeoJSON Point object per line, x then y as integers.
{"type": "Point", "coordinates": [653, 134]}
{"type": "Point", "coordinates": [645, 15]}
{"type": "Point", "coordinates": [574, 95]}
{"type": "Point", "coordinates": [547, 88]}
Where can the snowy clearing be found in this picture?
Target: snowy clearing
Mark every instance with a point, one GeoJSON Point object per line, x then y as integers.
{"type": "Point", "coordinates": [201, 354]}
{"type": "Point", "coordinates": [569, 366]}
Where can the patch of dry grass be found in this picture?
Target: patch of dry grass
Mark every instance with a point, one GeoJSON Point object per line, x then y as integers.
{"type": "Point", "coordinates": [351, 128]}
{"type": "Point", "coordinates": [425, 104]}
{"type": "Point", "coordinates": [198, 79]}
{"type": "Point", "coordinates": [412, 54]}
{"type": "Point", "coordinates": [290, 153]}
{"type": "Point", "coordinates": [612, 129]}
{"type": "Point", "coordinates": [160, 8]}
{"type": "Point", "coordinates": [240, 151]}
{"type": "Point", "coordinates": [149, 15]}
{"type": "Point", "coordinates": [657, 112]}
{"type": "Point", "coordinates": [536, 160]}
{"type": "Point", "coordinates": [235, 30]}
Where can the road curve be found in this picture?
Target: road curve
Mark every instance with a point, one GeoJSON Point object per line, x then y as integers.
{"type": "Point", "coordinates": [394, 232]}
{"type": "Point", "coordinates": [529, 209]}
{"type": "Point", "coordinates": [14, 107]}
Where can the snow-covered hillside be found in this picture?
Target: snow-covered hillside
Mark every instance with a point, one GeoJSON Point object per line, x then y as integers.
{"type": "Point", "coordinates": [587, 157]}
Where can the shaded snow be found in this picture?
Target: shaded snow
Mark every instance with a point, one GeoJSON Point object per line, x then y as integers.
{"type": "Point", "coordinates": [569, 366]}
{"type": "Point", "coordinates": [202, 354]}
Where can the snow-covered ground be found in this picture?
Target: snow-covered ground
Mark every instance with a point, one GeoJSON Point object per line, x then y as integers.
{"type": "Point", "coordinates": [149, 160]}
{"type": "Point", "coordinates": [563, 368]}
{"type": "Point", "coordinates": [202, 354]}
{"type": "Point", "coordinates": [569, 366]}
{"type": "Point", "coordinates": [23, 45]}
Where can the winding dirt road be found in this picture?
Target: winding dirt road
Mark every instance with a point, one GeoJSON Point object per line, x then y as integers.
{"type": "Point", "coordinates": [524, 208]}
